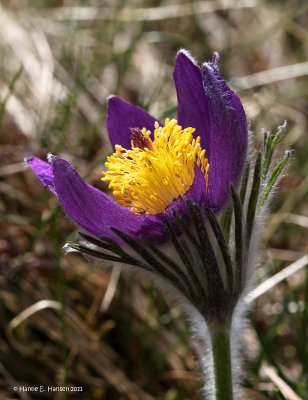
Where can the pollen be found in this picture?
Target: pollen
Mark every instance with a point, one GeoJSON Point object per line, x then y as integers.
{"type": "Point", "coordinates": [157, 170]}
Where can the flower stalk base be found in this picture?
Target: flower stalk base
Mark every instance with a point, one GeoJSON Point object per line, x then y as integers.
{"type": "Point", "coordinates": [221, 350]}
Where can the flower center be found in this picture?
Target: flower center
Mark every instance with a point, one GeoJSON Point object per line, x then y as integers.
{"type": "Point", "coordinates": [149, 176]}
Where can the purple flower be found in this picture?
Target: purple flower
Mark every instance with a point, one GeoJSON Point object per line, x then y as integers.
{"type": "Point", "coordinates": [205, 103]}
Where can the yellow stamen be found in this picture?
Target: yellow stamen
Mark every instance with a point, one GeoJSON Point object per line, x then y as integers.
{"type": "Point", "coordinates": [147, 179]}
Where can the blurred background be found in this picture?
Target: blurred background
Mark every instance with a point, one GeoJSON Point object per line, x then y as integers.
{"type": "Point", "coordinates": [65, 321]}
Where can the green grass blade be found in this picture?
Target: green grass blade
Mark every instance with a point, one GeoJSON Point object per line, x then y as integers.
{"type": "Point", "coordinates": [271, 142]}
{"type": "Point", "coordinates": [274, 177]}
{"type": "Point", "coordinates": [253, 199]}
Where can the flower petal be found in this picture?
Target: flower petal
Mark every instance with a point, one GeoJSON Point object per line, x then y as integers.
{"type": "Point", "coordinates": [228, 134]}
{"type": "Point", "coordinates": [196, 194]}
{"type": "Point", "coordinates": [96, 212]}
{"type": "Point", "coordinates": [121, 117]}
{"type": "Point", "coordinates": [209, 105]}
{"type": "Point", "coordinates": [197, 191]}
{"type": "Point", "coordinates": [192, 105]}
{"type": "Point", "coordinates": [43, 171]}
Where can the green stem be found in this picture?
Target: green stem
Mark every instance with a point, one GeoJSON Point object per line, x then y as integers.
{"type": "Point", "coordinates": [220, 337]}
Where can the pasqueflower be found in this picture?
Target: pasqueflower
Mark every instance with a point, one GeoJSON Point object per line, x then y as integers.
{"type": "Point", "coordinates": [171, 181]}
{"type": "Point", "coordinates": [157, 167]}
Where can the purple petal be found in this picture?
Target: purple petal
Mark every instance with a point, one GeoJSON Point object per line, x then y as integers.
{"type": "Point", "coordinates": [96, 212]}
{"type": "Point", "coordinates": [209, 105]}
{"type": "Point", "coordinates": [192, 105]}
{"type": "Point", "coordinates": [121, 117]}
{"type": "Point", "coordinates": [228, 132]}
{"type": "Point", "coordinates": [43, 171]}
{"type": "Point", "coordinates": [196, 193]}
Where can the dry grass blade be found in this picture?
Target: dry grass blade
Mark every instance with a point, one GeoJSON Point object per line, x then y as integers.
{"type": "Point", "coordinates": [147, 14]}
{"type": "Point", "coordinates": [24, 315]}
{"type": "Point", "coordinates": [277, 278]}
{"type": "Point", "coordinates": [12, 169]}
{"type": "Point", "coordinates": [271, 76]}
{"type": "Point", "coordinates": [284, 388]}
{"type": "Point", "coordinates": [297, 219]}
{"type": "Point", "coordinates": [111, 288]}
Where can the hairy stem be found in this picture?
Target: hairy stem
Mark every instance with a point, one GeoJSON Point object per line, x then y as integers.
{"type": "Point", "coordinates": [221, 349]}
